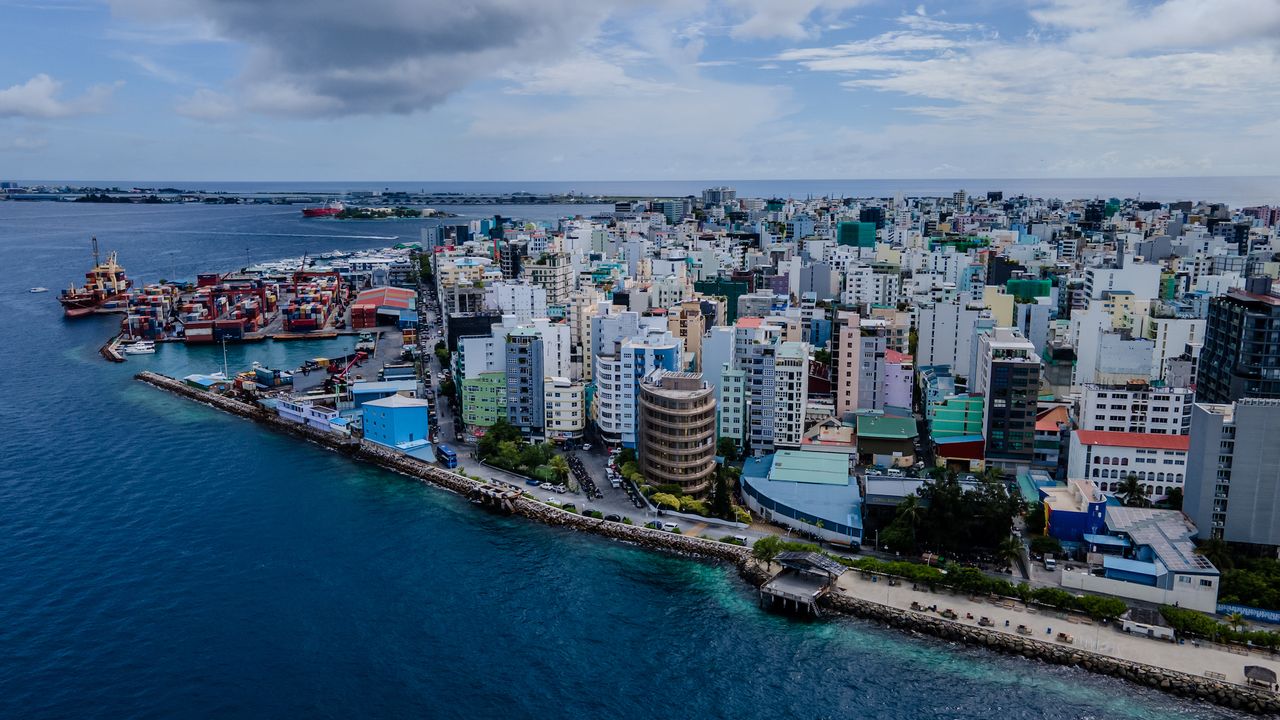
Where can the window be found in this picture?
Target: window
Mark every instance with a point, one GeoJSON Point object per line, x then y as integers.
{"type": "Point", "coordinates": [1206, 583]}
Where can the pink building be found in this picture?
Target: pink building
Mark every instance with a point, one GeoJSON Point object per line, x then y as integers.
{"type": "Point", "coordinates": [899, 371]}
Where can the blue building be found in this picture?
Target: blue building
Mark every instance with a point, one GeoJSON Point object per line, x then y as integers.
{"type": "Point", "coordinates": [397, 421]}
{"type": "Point", "coordinates": [1074, 510]}
{"type": "Point", "coordinates": [363, 392]}
{"type": "Point", "coordinates": [810, 491]}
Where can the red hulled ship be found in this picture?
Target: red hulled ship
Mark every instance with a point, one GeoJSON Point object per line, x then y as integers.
{"type": "Point", "coordinates": [328, 210]}
{"type": "Point", "coordinates": [105, 289]}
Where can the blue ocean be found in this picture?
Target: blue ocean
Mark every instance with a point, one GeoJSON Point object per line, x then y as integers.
{"type": "Point", "coordinates": [159, 559]}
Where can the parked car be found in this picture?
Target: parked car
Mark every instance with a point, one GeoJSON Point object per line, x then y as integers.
{"type": "Point", "coordinates": [613, 518]}
{"type": "Point", "coordinates": [670, 526]}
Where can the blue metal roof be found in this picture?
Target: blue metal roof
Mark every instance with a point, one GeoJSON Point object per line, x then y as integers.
{"type": "Point", "coordinates": [957, 439]}
{"type": "Point", "coordinates": [1137, 567]}
{"type": "Point", "coordinates": [1109, 540]}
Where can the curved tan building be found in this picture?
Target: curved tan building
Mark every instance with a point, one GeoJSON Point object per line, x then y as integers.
{"type": "Point", "coordinates": [676, 431]}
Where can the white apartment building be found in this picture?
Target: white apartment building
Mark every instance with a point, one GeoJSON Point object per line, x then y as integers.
{"type": "Point", "coordinates": [565, 407]}
{"type": "Point", "coordinates": [617, 374]}
{"type": "Point", "coordinates": [1107, 458]}
{"type": "Point", "coordinates": [522, 300]}
{"type": "Point", "coordinates": [790, 393]}
{"type": "Point", "coordinates": [945, 332]}
{"type": "Point", "coordinates": [1136, 408]}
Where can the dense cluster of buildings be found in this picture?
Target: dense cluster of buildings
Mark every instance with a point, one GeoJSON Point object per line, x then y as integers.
{"type": "Point", "coordinates": [1073, 345]}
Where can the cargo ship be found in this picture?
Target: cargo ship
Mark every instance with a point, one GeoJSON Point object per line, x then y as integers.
{"type": "Point", "coordinates": [329, 210]}
{"type": "Point", "coordinates": [105, 290]}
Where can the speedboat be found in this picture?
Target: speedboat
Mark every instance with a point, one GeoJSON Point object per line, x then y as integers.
{"type": "Point", "coordinates": [141, 347]}
{"type": "Point", "coordinates": [38, 289]}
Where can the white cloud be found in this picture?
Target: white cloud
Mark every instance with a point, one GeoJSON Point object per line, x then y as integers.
{"type": "Point", "coordinates": [783, 18]}
{"type": "Point", "coordinates": [207, 105]}
{"type": "Point", "coordinates": [23, 144]}
{"type": "Point", "coordinates": [39, 97]}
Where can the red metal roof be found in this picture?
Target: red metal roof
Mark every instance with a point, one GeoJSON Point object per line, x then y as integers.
{"type": "Point", "coordinates": [1048, 420]}
{"type": "Point", "coordinates": [1150, 441]}
{"type": "Point", "coordinates": [385, 297]}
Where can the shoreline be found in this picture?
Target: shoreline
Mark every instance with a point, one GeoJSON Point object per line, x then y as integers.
{"type": "Point", "coordinates": [1175, 682]}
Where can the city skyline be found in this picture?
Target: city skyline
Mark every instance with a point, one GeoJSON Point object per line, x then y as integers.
{"type": "Point", "coordinates": [630, 91]}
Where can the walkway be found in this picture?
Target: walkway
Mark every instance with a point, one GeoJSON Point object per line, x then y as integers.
{"type": "Point", "coordinates": [1045, 625]}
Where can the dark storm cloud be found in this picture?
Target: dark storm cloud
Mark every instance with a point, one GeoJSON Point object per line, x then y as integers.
{"type": "Point", "coordinates": [337, 57]}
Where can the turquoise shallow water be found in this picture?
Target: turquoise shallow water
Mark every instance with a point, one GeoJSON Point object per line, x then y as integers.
{"type": "Point", "coordinates": [160, 559]}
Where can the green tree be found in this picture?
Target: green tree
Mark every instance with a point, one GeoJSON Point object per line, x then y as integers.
{"type": "Point", "coordinates": [666, 500]}
{"type": "Point", "coordinates": [1009, 551]}
{"type": "Point", "coordinates": [1132, 492]}
{"type": "Point", "coordinates": [508, 455]}
{"type": "Point", "coordinates": [560, 467]}
{"type": "Point", "coordinates": [1034, 519]}
{"type": "Point", "coordinates": [531, 456]}
{"type": "Point", "coordinates": [1218, 552]}
{"type": "Point", "coordinates": [721, 496]}
{"type": "Point", "coordinates": [822, 356]}
{"type": "Point", "coordinates": [767, 548]}
{"type": "Point", "coordinates": [447, 388]}
{"type": "Point", "coordinates": [726, 448]}
{"type": "Point", "coordinates": [1173, 500]}
{"type": "Point", "coordinates": [628, 455]}
{"type": "Point", "coordinates": [1236, 620]}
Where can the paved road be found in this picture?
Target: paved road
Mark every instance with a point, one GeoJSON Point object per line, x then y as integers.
{"type": "Point", "coordinates": [614, 501]}
{"type": "Point", "coordinates": [1046, 624]}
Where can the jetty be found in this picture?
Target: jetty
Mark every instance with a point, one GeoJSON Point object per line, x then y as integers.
{"type": "Point", "coordinates": [805, 578]}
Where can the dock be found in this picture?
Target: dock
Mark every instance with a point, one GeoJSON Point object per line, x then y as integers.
{"type": "Point", "coordinates": [111, 350]}
{"type": "Point", "coordinates": [805, 578]}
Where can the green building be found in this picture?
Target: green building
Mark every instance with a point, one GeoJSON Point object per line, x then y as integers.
{"type": "Point", "coordinates": [857, 234]}
{"type": "Point", "coordinates": [1027, 290]}
{"type": "Point", "coordinates": [956, 416]}
{"type": "Point", "coordinates": [730, 290]}
{"type": "Point", "coordinates": [484, 399]}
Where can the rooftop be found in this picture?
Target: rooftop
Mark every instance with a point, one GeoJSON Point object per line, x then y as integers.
{"type": "Point", "coordinates": [397, 401]}
{"type": "Point", "coordinates": [815, 468]}
{"type": "Point", "coordinates": [881, 426]}
{"type": "Point", "coordinates": [1150, 441]}
{"type": "Point", "coordinates": [1167, 532]}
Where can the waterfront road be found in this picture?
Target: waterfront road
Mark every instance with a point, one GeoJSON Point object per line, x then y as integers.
{"type": "Point", "coordinates": [614, 501]}
{"type": "Point", "coordinates": [1045, 624]}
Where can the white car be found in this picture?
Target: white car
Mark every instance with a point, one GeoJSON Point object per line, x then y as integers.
{"type": "Point", "coordinates": [586, 447]}
{"type": "Point", "coordinates": [670, 527]}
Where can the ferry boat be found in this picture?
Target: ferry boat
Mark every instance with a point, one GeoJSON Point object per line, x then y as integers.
{"type": "Point", "coordinates": [141, 347]}
{"type": "Point", "coordinates": [105, 289]}
{"type": "Point", "coordinates": [329, 210]}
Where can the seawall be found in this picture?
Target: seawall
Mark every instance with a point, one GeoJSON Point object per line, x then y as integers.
{"type": "Point", "coordinates": [1230, 695]}
{"type": "Point", "coordinates": [456, 482]}
{"type": "Point", "coordinates": [1192, 686]}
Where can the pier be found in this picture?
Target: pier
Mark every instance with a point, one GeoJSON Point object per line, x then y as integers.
{"type": "Point", "coordinates": [805, 578]}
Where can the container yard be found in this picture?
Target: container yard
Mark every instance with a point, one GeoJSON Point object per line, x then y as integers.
{"type": "Point", "coordinates": [299, 299]}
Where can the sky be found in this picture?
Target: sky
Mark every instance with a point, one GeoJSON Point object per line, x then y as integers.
{"type": "Point", "coordinates": [637, 90]}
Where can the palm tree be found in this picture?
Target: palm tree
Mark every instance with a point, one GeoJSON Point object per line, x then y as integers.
{"type": "Point", "coordinates": [1132, 492]}
{"type": "Point", "coordinates": [910, 512]}
{"type": "Point", "coordinates": [1009, 550]}
{"type": "Point", "coordinates": [1218, 552]}
{"type": "Point", "coordinates": [559, 467]}
{"type": "Point", "coordinates": [1236, 620]}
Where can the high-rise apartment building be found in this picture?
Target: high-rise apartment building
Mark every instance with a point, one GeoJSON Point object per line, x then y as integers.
{"type": "Point", "coordinates": [1232, 488]}
{"type": "Point", "coordinates": [677, 431]}
{"type": "Point", "coordinates": [1241, 355]}
{"type": "Point", "coordinates": [1008, 376]}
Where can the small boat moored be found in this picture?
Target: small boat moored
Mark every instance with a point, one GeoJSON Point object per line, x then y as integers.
{"type": "Point", "coordinates": [141, 347]}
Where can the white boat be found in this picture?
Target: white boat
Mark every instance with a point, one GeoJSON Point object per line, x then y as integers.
{"type": "Point", "coordinates": [141, 347]}
{"type": "Point", "coordinates": [38, 289]}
